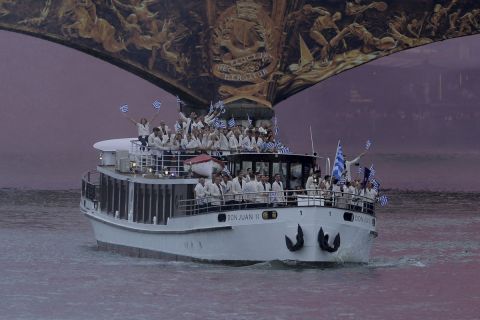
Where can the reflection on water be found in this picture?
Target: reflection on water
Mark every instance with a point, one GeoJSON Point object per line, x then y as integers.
{"type": "Point", "coordinates": [424, 265]}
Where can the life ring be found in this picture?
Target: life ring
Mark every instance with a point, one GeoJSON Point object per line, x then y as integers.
{"type": "Point", "coordinates": [323, 242]}
{"type": "Point", "coordinates": [300, 241]}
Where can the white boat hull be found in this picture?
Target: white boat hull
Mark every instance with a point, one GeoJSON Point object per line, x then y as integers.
{"type": "Point", "coordinates": [244, 237]}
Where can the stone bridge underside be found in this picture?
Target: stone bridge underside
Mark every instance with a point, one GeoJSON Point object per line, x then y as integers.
{"type": "Point", "coordinates": [244, 52]}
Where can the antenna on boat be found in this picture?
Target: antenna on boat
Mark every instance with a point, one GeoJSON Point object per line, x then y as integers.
{"type": "Point", "coordinates": [311, 139]}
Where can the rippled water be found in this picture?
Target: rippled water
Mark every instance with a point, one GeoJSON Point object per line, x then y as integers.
{"type": "Point", "coordinates": [425, 265]}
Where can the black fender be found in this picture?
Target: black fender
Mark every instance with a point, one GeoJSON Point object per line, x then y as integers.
{"type": "Point", "coordinates": [323, 242]}
{"type": "Point", "coordinates": [300, 241]}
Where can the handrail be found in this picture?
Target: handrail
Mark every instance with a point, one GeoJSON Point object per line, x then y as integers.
{"type": "Point", "coordinates": [89, 185]}
{"type": "Point", "coordinates": [269, 199]}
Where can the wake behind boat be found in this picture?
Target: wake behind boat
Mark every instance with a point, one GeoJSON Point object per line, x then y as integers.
{"type": "Point", "coordinates": [147, 202]}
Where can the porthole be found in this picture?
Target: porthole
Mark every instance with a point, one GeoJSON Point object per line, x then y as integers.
{"type": "Point", "coordinates": [348, 216]}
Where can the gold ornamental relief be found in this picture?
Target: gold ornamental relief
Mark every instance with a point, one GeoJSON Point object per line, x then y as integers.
{"type": "Point", "coordinates": [243, 47]}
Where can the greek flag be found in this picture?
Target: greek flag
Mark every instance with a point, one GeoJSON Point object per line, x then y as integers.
{"type": "Point", "coordinates": [177, 127]}
{"type": "Point", "coordinates": [221, 106]}
{"type": "Point", "coordinates": [368, 144]}
{"type": "Point", "coordinates": [226, 171]}
{"type": "Point", "coordinates": [231, 123]}
{"type": "Point", "coordinates": [372, 172]}
{"type": "Point", "coordinates": [156, 104]}
{"type": "Point", "coordinates": [339, 164]}
{"type": "Point", "coordinates": [124, 108]}
{"type": "Point", "coordinates": [269, 145]}
{"type": "Point", "coordinates": [342, 181]}
{"type": "Point", "coordinates": [284, 150]}
{"type": "Point", "coordinates": [179, 101]}
{"type": "Point", "coordinates": [376, 185]}
{"type": "Point", "coordinates": [249, 120]}
{"type": "Point", "coordinates": [219, 124]}
{"type": "Point", "coordinates": [383, 200]}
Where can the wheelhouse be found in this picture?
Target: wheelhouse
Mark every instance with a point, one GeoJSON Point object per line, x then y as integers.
{"type": "Point", "coordinates": [294, 169]}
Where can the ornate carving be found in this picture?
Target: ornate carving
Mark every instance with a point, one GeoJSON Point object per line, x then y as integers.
{"type": "Point", "coordinates": [259, 50]}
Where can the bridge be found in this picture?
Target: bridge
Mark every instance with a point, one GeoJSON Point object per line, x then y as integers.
{"type": "Point", "coordinates": [251, 54]}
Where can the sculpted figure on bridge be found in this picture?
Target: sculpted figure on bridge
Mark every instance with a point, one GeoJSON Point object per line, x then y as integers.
{"type": "Point", "coordinates": [86, 24]}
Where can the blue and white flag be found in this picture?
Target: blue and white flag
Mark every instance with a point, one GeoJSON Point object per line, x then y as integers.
{"type": "Point", "coordinates": [124, 108]}
{"type": "Point", "coordinates": [220, 106]}
{"type": "Point", "coordinates": [219, 124]}
{"type": "Point", "coordinates": [342, 181]}
{"type": "Point", "coordinates": [249, 120]}
{"type": "Point", "coordinates": [226, 171]}
{"type": "Point", "coordinates": [269, 145]}
{"type": "Point", "coordinates": [383, 200]}
{"type": "Point", "coordinates": [231, 123]}
{"type": "Point", "coordinates": [372, 172]}
{"type": "Point", "coordinates": [376, 185]}
{"type": "Point", "coordinates": [177, 127]}
{"type": "Point", "coordinates": [339, 164]}
{"type": "Point", "coordinates": [368, 144]}
{"type": "Point", "coordinates": [180, 102]}
{"type": "Point", "coordinates": [157, 104]}
{"type": "Point", "coordinates": [284, 150]}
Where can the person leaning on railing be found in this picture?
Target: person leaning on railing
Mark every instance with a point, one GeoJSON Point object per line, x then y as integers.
{"type": "Point", "coordinates": [228, 195]}
{"type": "Point", "coordinates": [278, 192]}
{"type": "Point", "coordinates": [201, 194]}
{"type": "Point", "coordinates": [370, 195]}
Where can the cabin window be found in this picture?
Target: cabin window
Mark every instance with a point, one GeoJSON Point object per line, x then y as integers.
{"type": "Point", "coordinates": [110, 195]}
{"type": "Point", "coordinates": [123, 199]}
{"type": "Point", "coordinates": [147, 206]}
{"type": "Point", "coordinates": [160, 204]}
{"type": "Point", "coordinates": [116, 195]}
{"type": "Point", "coordinates": [246, 165]}
{"type": "Point", "coordinates": [262, 167]}
{"type": "Point", "coordinates": [280, 168]}
{"type": "Point", "coordinates": [103, 192]}
{"type": "Point", "coordinates": [295, 176]}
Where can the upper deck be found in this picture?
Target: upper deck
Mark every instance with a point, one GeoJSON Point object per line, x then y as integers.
{"type": "Point", "coordinates": [127, 159]}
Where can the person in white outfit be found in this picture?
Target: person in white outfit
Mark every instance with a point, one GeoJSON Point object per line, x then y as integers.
{"type": "Point", "coordinates": [251, 191]}
{"type": "Point", "coordinates": [216, 192]}
{"type": "Point", "coordinates": [313, 184]}
{"type": "Point", "coordinates": [369, 195]}
{"type": "Point", "coordinates": [349, 163]}
{"type": "Point", "coordinates": [278, 192]}
{"type": "Point", "coordinates": [143, 127]}
{"type": "Point", "coordinates": [201, 194]}
{"type": "Point", "coordinates": [238, 184]}
{"type": "Point", "coordinates": [264, 187]}
{"type": "Point", "coordinates": [228, 194]}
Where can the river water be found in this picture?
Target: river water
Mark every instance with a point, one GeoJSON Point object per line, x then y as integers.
{"type": "Point", "coordinates": [425, 265]}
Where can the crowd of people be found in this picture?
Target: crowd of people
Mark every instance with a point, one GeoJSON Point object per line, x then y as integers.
{"type": "Point", "coordinates": [250, 190]}
{"type": "Point", "coordinates": [196, 134]}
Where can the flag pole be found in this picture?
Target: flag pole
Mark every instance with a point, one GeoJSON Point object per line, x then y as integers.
{"type": "Point", "coordinates": [311, 139]}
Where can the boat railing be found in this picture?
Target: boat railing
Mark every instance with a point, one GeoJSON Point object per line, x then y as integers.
{"type": "Point", "coordinates": [277, 199]}
{"type": "Point", "coordinates": [90, 185]}
{"type": "Point", "coordinates": [168, 162]}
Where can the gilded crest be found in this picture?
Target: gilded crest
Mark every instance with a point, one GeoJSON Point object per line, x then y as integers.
{"type": "Point", "coordinates": [243, 51]}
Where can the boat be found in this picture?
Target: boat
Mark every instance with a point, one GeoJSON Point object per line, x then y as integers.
{"type": "Point", "coordinates": [142, 202]}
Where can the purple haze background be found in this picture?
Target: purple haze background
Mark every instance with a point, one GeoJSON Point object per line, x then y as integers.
{"type": "Point", "coordinates": [420, 107]}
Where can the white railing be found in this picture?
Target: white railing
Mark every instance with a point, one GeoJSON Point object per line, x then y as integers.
{"type": "Point", "coordinates": [269, 199]}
